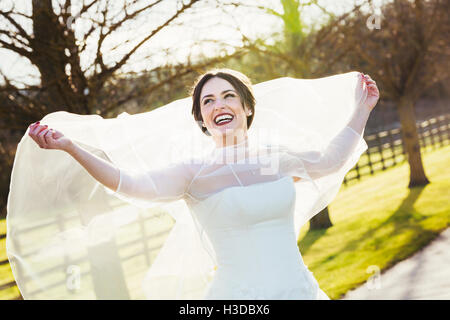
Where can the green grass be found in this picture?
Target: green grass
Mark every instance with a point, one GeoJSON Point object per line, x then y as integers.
{"type": "Point", "coordinates": [378, 221]}
{"type": "Point", "coordinates": [5, 270]}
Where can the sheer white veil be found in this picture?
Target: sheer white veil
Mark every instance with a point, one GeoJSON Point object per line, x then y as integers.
{"type": "Point", "coordinates": [69, 237]}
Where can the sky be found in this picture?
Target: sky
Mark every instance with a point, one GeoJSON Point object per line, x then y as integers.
{"type": "Point", "coordinates": [194, 33]}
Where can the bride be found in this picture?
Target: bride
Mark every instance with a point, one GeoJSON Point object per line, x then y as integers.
{"type": "Point", "coordinates": [238, 204]}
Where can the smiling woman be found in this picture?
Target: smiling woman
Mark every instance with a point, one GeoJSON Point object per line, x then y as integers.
{"type": "Point", "coordinates": [225, 214]}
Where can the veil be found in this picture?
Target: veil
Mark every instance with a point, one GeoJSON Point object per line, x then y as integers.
{"type": "Point", "coordinates": [70, 237]}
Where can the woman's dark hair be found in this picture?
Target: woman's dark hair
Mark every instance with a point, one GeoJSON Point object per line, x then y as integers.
{"type": "Point", "coordinates": [240, 82]}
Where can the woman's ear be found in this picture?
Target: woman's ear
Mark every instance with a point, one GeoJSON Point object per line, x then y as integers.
{"type": "Point", "coordinates": [248, 112]}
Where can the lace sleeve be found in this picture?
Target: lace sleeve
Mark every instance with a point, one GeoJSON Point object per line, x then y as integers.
{"type": "Point", "coordinates": [322, 172]}
{"type": "Point", "coordinates": [159, 185]}
{"type": "Point", "coordinates": [318, 164]}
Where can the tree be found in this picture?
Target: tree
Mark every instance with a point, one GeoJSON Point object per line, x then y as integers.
{"type": "Point", "coordinates": [301, 50]}
{"type": "Point", "coordinates": [407, 55]}
{"type": "Point", "coordinates": [55, 44]}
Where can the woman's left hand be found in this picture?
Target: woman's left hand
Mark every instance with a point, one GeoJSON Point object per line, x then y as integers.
{"type": "Point", "coordinates": [372, 92]}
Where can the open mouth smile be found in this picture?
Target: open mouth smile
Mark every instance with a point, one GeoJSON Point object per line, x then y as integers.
{"type": "Point", "coordinates": [223, 118]}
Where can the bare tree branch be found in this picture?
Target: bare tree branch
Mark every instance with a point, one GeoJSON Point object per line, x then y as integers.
{"type": "Point", "coordinates": [20, 51]}
{"type": "Point", "coordinates": [184, 70]}
{"type": "Point", "coordinates": [19, 28]}
{"type": "Point", "coordinates": [122, 61]}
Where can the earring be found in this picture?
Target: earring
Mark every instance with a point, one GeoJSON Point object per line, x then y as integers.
{"type": "Point", "coordinates": [203, 124]}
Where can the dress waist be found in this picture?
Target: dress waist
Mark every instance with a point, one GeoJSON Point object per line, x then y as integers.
{"type": "Point", "coordinates": [264, 248]}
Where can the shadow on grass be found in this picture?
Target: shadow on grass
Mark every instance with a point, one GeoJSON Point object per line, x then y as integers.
{"type": "Point", "coordinates": [398, 218]}
{"type": "Point", "coordinates": [404, 218]}
{"type": "Point", "coordinates": [308, 240]}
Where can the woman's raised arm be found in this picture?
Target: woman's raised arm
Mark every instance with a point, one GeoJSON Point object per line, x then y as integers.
{"type": "Point", "coordinates": [101, 170]}
{"type": "Point", "coordinates": [333, 158]}
{"type": "Point", "coordinates": [164, 184]}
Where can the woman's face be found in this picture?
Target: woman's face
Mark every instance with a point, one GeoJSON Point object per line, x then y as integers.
{"type": "Point", "coordinates": [218, 97]}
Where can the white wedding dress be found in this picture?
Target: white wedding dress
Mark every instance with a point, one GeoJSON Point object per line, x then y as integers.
{"type": "Point", "coordinates": [252, 231]}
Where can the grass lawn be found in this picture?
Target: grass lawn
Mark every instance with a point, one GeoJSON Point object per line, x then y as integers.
{"type": "Point", "coordinates": [378, 222]}
{"type": "Point", "coordinates": [5, 270]}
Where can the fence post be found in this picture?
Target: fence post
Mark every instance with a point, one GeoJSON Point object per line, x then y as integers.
{"type": "Point", "coordinates": [392, 145]}
{"type": "Point", "coordinates": [17, 247]}
{"type": "Point", "coordinates": [380, 149]}
{"type": "Point", "coordinates": [369, 161]}
{"type": "Point", "coordinates": [103, 257]}
{"type": "Point", "coordinates": [144, 239]}
{"type": "Point", "coordinates": [440, 124]}
{"type": "Point", "coordinates": [101, 268]}
{"type": "Point", "coordinates": [358, 176]}
{"type": "Point", "coordinates": [433, 137]}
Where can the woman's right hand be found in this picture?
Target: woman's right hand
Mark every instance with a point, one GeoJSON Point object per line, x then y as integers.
{"type": "Point", "coordinates": [48, 138]}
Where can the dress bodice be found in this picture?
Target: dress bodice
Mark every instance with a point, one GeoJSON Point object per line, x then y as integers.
{"type": "Point", "coordinates": [251, 229]}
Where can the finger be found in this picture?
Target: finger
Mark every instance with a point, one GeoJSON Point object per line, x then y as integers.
{"type": "Point", "coordinates": [33, 137]}
{"type": "Point", "coordinates": [33, 128]}
{"type": "Point", "coordinates": [37, 129]}
{"type": "Point", "coordinates": [373, 90]}
{"type": "Point", "coordinates": [361, 77]}
{"type": "Point", "coordinates": [34, 124]}
{"type": "Point", "coordinates": [33, 133]}
{"type": "Point", "coordinates": [41, 138]}
{"type": "Point", "coordinates": [373, 87]}
{"type": "Point", "coordinates": [43, 128]}
{"type": "Point", "coordinates": [369, 80]}
{"type": "Point", "coordinates": [48, 136]}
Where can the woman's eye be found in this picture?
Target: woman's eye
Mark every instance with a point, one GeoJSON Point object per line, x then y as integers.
{"type": "Point", "coordinates": [206, 101]}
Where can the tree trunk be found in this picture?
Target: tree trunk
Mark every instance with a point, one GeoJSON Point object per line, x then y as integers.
{"type": "Point", "coordinates": [411, 144]}
{"type": "Point", "coordinates": [49, 47]}
{"type": "Point", "coordinates": [320, 220]}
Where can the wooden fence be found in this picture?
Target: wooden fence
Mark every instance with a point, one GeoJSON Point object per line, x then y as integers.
{"type": "Point", "coordinates": [385, 148]}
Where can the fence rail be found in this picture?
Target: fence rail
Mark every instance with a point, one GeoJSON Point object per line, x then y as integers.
{"type": "Point", "coordinates": [385, 148]}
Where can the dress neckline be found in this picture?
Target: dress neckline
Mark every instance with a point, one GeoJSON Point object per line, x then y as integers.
{"type": "Point", "coordinates": [250, 186]}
